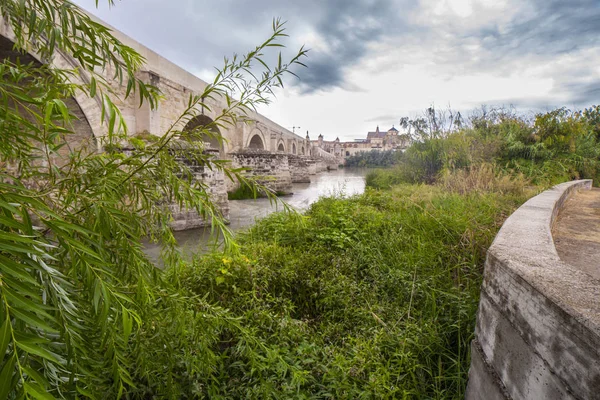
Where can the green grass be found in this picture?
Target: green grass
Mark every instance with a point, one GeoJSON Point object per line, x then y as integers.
{"type": "Point", "coordinates": [368, 297]}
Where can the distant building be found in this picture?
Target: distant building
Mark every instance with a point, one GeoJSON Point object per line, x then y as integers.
{"type": "Point", "coordinates": [375, 141]}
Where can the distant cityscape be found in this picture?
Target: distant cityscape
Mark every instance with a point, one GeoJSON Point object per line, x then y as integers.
{"type": "Point", "coordinates": [377, 140]}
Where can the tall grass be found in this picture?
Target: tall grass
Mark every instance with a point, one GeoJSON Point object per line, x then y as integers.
{"type": "Point", "coordinates": [553, 147]}
{"type": "Point", "coordinates": [483, 177]}
{"type": "Point", "coordinates": [368, 297]}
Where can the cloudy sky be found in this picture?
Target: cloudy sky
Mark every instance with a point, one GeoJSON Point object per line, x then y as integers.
{"type": "Point", "coordinates": [374, 61]}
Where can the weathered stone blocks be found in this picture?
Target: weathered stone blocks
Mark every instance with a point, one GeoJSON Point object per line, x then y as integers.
{"type": "Point", "coordinates": [299, 169]}
{"type": "Point", "coordinates": [269, 169]}
{"type": "Point", "coordinates": [215, 182]}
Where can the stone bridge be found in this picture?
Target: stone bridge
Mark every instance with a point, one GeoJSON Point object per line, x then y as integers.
{"type": "Point", "coordinates": [276, 155]}
{"type": "Point", "coordinates": [538, 323]}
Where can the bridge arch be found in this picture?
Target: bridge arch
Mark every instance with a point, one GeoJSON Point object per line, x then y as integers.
{"type": "Point", "coordinates": [256, 140]}
{"type": "Point", "coordinates": [88, 110]}
{"type": "Point", "coordinates": [85, 132]}
{"type": "Point", "coordinates": [281, 147]}
{"type": "Point", "coordinates": [256, 143]}
{"type": "Point", "coordinates": [213, 138]}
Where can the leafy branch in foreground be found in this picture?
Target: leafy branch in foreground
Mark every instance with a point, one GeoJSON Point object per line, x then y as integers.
{"type": "Point", "coordinates": [78, 296]}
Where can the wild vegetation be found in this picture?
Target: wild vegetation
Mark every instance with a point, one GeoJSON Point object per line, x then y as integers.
{"type": "Point", "coordinates": [372, 296]}
{"type": "Point", "coordinates": [549, 148]}
{"type": "Point", "coordinates": [253, 190]}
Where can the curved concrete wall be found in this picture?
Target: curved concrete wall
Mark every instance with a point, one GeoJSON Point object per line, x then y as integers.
{"type": "Point", "coordinates": [538, 323]}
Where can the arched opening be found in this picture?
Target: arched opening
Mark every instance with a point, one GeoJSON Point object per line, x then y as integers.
{"type": "Point", "coordinates": [280, 148]}
{"type": "Point", "coordinates": [212, 137]}
{"type": "Point", "coordinates": [293, 148]}
{"type": "Point", "coordinates": [302, 150]}
{"type": "Point", "coordinates": [347, 153]}
{"type": "Point", "coordinates": [256, 143]}
{"type": "Point", "coordinates": [80, 135]}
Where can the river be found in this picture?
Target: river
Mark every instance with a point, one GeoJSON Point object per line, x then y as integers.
{"type": "Point", "coordinates": [244, 213]}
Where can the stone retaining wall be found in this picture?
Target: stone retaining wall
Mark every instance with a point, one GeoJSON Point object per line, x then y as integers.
{"type": "Point", "coordinates": [538, 323]}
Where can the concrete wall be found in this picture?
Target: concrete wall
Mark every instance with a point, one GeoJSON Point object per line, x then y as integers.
{"type": "Point", "coordinates": [538, 323]}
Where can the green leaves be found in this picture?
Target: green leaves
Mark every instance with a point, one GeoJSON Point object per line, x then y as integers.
{"type": "Point", "coordinates": [38, 351]}
{"type": "Point", "coordinates": [6, 377]}
{"type": "Point", "coordinates": [36, 391]}
{"type": "Point", "coordinates": [5, 337]}
{"type": "Point", "coordinates": [80, 303]}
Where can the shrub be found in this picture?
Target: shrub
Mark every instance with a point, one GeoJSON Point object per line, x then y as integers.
{"type": "Point", "coordinates": [384, 158]}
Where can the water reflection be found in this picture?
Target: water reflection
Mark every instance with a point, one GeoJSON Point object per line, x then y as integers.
{"type": "Point", "coordinates": [244, 213]}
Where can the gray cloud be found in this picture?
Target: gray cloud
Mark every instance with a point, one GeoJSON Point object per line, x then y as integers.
{"type": "Point", "coordinates": [381, 36]}
{"type": "Point", "coordinates": [197, 34]}
{"type": "Point", "coordinates": [554, 35]}
{"type": "Point", "coordinates": [346, 28]}
{"type": "Point", "coordinates": [385, 117]}
{"type": "Point", "coordinates": [552, 27]}
{"type": "Point", "coordinates": [583, 93]}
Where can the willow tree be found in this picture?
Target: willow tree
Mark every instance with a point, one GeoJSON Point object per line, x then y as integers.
{"type": "Point", "coordinates": [80, 303]}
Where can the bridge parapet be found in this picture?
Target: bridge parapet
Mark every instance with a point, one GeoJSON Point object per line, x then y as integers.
{"type": "Point", "coordinates": [538, 323]}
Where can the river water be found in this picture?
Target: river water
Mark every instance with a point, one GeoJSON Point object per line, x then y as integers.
{"type": "Point", "coordinates": [244, 213]}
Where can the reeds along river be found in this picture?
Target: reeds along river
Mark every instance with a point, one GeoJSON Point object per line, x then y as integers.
{"type": "Point", "coordinates": [243, 213]}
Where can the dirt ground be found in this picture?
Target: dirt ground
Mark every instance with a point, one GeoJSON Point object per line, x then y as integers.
{"type": "Point", "coordinates": [577, 232]}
